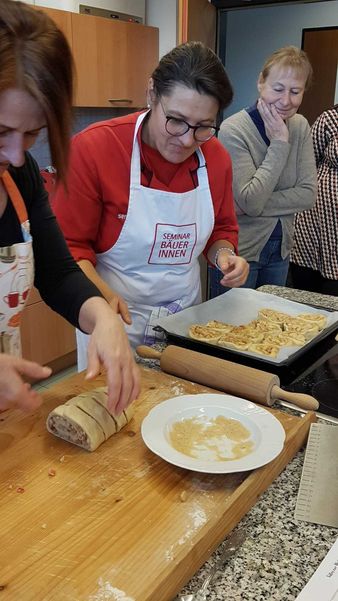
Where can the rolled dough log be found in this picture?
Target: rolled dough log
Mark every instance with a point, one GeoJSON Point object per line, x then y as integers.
{"type": "Point", "coordinates": [85, 420]}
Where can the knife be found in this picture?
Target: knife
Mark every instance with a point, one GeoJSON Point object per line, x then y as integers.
{"type": "Point", "coordinates": [230, 546]}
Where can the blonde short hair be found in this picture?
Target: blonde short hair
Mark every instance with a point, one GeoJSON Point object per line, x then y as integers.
{"type": "Point", "coordinates": [289, 56]}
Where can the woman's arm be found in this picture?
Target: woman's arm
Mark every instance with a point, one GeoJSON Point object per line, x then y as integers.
{"type": "Point", "coordinates": [256, 188]}
{"type": "Point", "coordinates": [66, 289]}
{"type": "Point", "coordinates": [302, 195]}
{"type": "Point", "coordinates": [256, 170]}
{"type": "Point", "coordinates": [116, 302]}
{"type": "Point", "coordinates": [109, 347]}
{"type": "Point", "coordinates": [235, 269]}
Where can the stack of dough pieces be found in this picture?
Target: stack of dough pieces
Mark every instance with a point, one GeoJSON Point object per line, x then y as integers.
{"type": "Point", "coordinates": [264, 335]}
{"type": "Point", "coordinates": [85, 420]}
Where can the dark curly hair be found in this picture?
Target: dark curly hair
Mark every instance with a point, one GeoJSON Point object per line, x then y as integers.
{"type": "Point", "coordinates": [195, 66]}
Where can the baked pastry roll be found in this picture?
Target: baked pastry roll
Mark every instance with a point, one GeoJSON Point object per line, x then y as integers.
{"type": "Point", "coordinates": [265, 326]}
{"type": "Point", "coordinates": [85, 420]}
{"type": "Point", "coordinates": [236, 342]}
{"type": "Point", "coordinates": [315, 318]}
{"type": "Point", "coordinates": [219, 325]}
{"type": "Point", "coordinates": [276, 316]}
{"type": "Point", "coordinates": [286, 339]}
{"type": "Point", "coordinates": [248, 332]}
{"type": "Point", "coordinates": [204, 333]}
{"type": "Point", "coordinates": [265, 348]}
{"type": "Point", "coordinates": [301, 326]}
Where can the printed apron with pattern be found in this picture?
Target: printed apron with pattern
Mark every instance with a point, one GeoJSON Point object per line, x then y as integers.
{"type": "Point", "coordinates": [154, 263]}
{"type": "Point", "coordinates": [16, 275]}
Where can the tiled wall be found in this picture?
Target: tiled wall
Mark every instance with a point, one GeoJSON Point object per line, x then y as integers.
{"type": "Point", "coordinates": [82, 118]}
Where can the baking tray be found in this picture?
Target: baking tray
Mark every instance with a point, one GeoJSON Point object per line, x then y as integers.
{"type": "Point", "coordinates": [239, 306]}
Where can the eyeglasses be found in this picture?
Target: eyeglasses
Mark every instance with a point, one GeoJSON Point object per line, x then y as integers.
{"type": "Point", "coordinates": [179, 127]}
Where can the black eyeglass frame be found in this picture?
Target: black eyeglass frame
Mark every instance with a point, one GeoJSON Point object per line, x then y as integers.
{"type": "Point", "coordinates": [193, 127]}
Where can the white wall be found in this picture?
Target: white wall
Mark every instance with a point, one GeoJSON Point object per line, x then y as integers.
{"type": "Point", "coordinates": [253, 33]}
{"type": "Point", "coordinates": [163, 14]}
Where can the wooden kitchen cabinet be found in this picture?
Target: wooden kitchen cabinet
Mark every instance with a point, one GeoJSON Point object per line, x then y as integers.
{"type": "Point", "coordinates": [45, 336]}
{"type": "Point", "coordinates": [62, 18]}
{"type": "Point", "coordinates": [113, 61]}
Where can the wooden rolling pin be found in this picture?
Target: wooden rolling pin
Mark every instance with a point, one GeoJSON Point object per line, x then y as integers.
{"type": "Point", "coordinates": [253, 384]}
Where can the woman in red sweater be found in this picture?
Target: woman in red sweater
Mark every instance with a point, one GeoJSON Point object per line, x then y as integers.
{"type": "Point", "coordinates": [149, 192]}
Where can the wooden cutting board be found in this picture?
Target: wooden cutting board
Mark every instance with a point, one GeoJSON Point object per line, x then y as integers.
{"type": "Point", "coordinates": [120, 523]}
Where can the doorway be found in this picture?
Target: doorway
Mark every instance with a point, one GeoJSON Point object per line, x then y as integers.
{"type": "Point", "coordinates": [321, 46]}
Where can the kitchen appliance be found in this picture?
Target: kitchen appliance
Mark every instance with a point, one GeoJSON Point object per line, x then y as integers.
{"type": "Point", "coordinates": [133, 10]}
{"type": "Point", "coordinates": [319, 378]}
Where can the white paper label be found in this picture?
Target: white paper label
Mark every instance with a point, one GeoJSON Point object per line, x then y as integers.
{"type": "Point", "coordinates": [323, 584]}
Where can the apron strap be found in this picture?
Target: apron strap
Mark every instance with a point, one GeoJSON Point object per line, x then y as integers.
{"type": "Point", "coordinates": [15, 196]}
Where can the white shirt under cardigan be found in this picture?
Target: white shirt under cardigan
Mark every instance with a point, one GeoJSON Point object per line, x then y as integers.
{"type": "Point", "coordinates": [270, 183]}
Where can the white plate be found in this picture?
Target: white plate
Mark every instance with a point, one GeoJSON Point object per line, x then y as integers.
{"type": "Point", "coordinates": [266, 431]}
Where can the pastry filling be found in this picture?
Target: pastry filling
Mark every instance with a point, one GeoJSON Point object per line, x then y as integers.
{"type": "Point", "coordinates": [211, 439]}
{"type": "Point", "coordinates": [64, 428]}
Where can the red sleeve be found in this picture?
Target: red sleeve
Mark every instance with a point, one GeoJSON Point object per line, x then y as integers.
{"type": "Point", "coordinates": [91, 211]}
{"type": "Point", "coordinates": [220, 181]}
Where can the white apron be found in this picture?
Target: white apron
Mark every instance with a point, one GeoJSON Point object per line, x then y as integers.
{"type": "Point", "coordinates": [16, 275]}
{"type": "Point", "coordinates": [155, 259]}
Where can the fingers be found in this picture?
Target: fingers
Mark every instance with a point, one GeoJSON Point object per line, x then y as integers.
{"type": "Point", "coordinates": [117, 390]}
{"type": "Point", "coordinates": [110, 348]}
{"type": "Point", "coordinates": [31, 369]}
{"type": "Point", "coordinates": [130, 389]}
{"type": "Point", "coordinates": [93, 362]}
{"type": "Point", "coordinates": [124, 311]}
{"type": "Point", "coordinates": [18, 394]}
{"type": "Point", "coordinates": [236, 274]}
{"type": "Point", "coordinates": [28, 399]}
{"type": "Point", "coordinates": [120, 306]}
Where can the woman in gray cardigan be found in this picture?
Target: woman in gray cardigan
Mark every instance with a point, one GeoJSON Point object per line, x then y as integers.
{"type": "Point", "coordinates": [274, 170]}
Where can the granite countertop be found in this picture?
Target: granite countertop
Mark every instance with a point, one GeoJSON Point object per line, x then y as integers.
{"type": "Point", "coordinates": [303, 296]}
{"type": "Point", "coordinates": [281, 553]}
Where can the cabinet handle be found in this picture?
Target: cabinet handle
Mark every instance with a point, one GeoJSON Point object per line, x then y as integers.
{"type": "Point", "coordinates": [119, 100]}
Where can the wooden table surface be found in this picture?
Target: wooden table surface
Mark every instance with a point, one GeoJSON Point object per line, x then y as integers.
{"type": "Point", "coordinates": [120, 523]}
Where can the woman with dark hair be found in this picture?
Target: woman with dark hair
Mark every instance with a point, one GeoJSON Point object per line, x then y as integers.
{"type": "Point", "coordinates": [149, 192]}
{"type": "Point", "coordinates": [314, 257]}
{"type": "Point", "coordinates": [274, 168]}
{"type": "Point", "coordinates": [36, 93]}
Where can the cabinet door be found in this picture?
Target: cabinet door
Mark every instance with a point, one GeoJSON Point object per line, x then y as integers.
{"type": "Point", "coordinates": [113, 61]}
{"type": "Point", "coordinates": [45, 336]}
{"type": "Point", "coordinates": [142, 59]}
{"type": "Point", "coordinates": [61, 18]}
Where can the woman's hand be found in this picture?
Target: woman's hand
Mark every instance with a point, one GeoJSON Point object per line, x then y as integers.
{"type": "Point", "coordinates": [119, 306]}
{"type": "Point", "coordinates": [14, 392]}
{"type": "Point", "coordinates": [235, 270]}
{"type": "Point", "coordinates": [275, 127]}
{"type": "Point", "coordinates": [109, 347]}
{"type": "Point", "coordinates": [116, 302]}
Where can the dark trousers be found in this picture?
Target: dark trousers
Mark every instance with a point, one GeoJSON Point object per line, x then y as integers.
{"type": "Point", "coordinates": [305, 278]}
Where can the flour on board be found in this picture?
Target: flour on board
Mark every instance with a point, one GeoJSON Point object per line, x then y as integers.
{"type": "Point", "coordinates": [107, 592]}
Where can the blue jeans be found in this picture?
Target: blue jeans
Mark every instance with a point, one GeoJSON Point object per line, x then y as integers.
{"type": "Point", "coordinates": [269, 269]}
